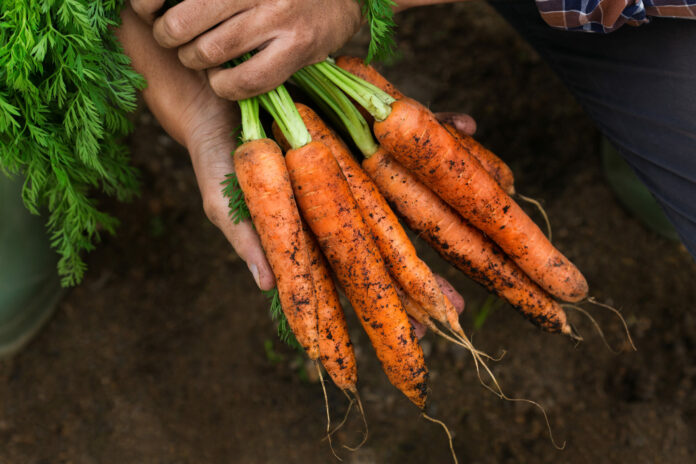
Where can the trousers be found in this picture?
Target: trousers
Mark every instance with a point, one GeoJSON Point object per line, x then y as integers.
{"type": "Point", "coordinates": [638, 84]}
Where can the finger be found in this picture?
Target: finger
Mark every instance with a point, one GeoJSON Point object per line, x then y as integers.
{"type": "Point", "coordinates": [210, 155]}
{"type": "Point", "coordinates": [147, 9]}
{"type": "Point", "coordinates": [263, 72]}
{"type": "Point", "coordinates": [418, 327]}
{"type": "Point", "coordinates": [462, 122]}
{"type": "Point", "coordinates": [453, 295]}
{"type": "Point", "coordinates": [237, 35]}
{"type": "Point", "coordinates": [191, 18]}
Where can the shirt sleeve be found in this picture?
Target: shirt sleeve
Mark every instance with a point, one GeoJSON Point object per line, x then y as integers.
{"type": "Point", "coordinates": [605, 16]}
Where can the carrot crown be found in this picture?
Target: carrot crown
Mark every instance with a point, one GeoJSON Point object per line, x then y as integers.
{"type": "Point", "coordinates": [376, 101]}
{"type": "Point", "coordinates": [338, 107]}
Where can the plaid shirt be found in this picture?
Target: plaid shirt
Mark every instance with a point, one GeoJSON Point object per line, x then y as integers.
{"type": "Point", "coordinates": [608, 15]}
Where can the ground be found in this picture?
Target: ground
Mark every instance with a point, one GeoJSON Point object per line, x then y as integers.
{"type": "Point", "coordinates": [166, 353]}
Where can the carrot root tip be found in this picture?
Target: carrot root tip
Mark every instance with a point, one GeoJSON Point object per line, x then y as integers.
{"type": "Point", "coordinates": [594, 301]}
{"type": "Point", "coordinates": [328, 416]}
{"type": "Point", "coordinates": [354, 391]}
{"type": "Point", "coordinates": [449, 435]}
{"type": "Point", "coordinates": [569, 330]}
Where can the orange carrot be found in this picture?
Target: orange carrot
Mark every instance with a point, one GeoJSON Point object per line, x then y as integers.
{"type": "Point", "coordinates": [493, 165]}
{"type": "Point", "coordinates": [263, 177]}
{"type": "Point", "coordinates": [412, 274]}
{"type": "Point", "coordinates": [333, 216]}
{"type": "Point", "coordinates": [415, 138]}
{"type": "Point", "coordinates": [335, 348]}
{"type": "Point", "coordinates": [462, 245]}
{"type": "Point", "coordinates": [496, 167]}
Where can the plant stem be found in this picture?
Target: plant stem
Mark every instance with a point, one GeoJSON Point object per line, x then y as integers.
{"type": "Point", "coordinates": [373, 99]}
{"type": "Point", "coordinates": [279, 103]}
{"type": "Point", "coordinates": [251, 124]}
{"type": "Point", "coordinates": [335, 103]}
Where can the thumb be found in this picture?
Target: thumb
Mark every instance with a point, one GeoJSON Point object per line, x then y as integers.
{"type": "Point", "coordinates": [462, 122]}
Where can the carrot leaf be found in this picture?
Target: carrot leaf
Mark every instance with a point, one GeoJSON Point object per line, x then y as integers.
{"type": "Point", "coordinates": [66, 88]}
{"type": "Point", "coordinates": [284, 332]}
{"type": "Point", "coordinates": [238, 207]}
{"type": "Point", "coordinates": [379, 14]}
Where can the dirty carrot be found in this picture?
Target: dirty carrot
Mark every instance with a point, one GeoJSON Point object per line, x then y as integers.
{"type": "Point", "coordinates": [399, 254]}
{"type": "Point", "coordinates": [411, 133]}
{"type": "Point", "coordinates": [335, 348]}
{"type": "Point", "coordinates": [264, 180]}
{"type": "Point", "coordinates": [373, 162]}
{"type": "Point", "coordinates": [462, 245]}
{"type": "Point", "coordinates": [496, 167]}
{"type": "Point", "coordinates": [331, 213]}
{"type": "Point", "coordinates": [493, 165]}
{"type": "Point", "coordinates": [329, 208]}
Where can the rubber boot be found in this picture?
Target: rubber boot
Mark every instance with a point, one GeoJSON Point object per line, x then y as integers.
{"type": "Point", "coordinates": [29, 284]}
{"type": "Point", "coordinates": [633, 193]}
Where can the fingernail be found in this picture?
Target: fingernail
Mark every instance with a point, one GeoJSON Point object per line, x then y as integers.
{"type": "Point", "coordinates": [255, 272]}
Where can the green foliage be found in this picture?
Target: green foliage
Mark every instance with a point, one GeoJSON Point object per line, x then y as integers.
{"type": "Point", "coordinates": [380, 17]}
{"type": "Point", "coordinates": [238, 207]}
{"type": "Point", "coordinates": [284, 331]}
{"type": "Point", "coordinates": [65, 91]}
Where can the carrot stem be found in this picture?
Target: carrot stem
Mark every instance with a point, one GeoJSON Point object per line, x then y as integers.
{"type": "Point", "coordinates": [251, 124]}
{"type": "Point", "coordinates": [279, 104]}
{"type": "Point", "coordinates": [337, 105]}
{"type": "Point", "coordinates": [372, 98]}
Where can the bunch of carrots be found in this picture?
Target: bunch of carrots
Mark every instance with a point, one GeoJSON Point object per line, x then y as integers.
{"type": "Point", "coordinates": [321, 214]}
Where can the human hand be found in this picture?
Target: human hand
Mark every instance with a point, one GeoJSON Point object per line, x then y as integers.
{"type": "Point", "coordinates": [194, 116]}
{"type": "Point", "coordinates": [289, 35]}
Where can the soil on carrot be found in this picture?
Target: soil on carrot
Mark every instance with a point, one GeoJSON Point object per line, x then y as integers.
{"type": "Point", "coordinates": [166, 353]}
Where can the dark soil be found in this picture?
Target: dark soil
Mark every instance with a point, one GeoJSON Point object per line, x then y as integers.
{"type": "Point", "coordinates": [160, 356]}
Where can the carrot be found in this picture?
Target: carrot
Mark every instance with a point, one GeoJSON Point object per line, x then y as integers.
{"type": "Point", "coordinates": [418, 141]}
{"type": "Point", "coordinates": [493, 165]}
{"type": "Point", "coordinates": [496, 167]}
{"type": "Point", "coordinates": [263, 177]}
{"type": "Point", "coordinates": [335, 348]}
{"type": "Point", "coordinates": [326, 93]}
{"type": "Point", "coordinates": [333, 216]}
{"type": "Point", "coordinates": [462, 245]}
{"type": "Point", "coordinates": [412, 274]}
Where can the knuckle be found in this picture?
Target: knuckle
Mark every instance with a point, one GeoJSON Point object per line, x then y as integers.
{"type": "Point", "coordinates": [139, 7]}
{"type": "Point", "coordinates": [282, 6]}
{"type": "Point", "coordinates": [304, 38]}
{"type": "Point", "coordinates": [219, 85]}
{"type": "Point", "coordinates": [250, 81]}
{"type": "Point", "coordinates": [213, 211]}
{"type": "Point", "coordinates": [174, 28]}
{"type": "Point", "coordinates": [209, 52]}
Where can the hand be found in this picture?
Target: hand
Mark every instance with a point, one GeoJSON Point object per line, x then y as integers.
{"type": "Point", "coordinates": [462, 122]}
{"type": "Point", "coordinates": [289, 35]}
{"type": "Point", "coordinates": [194, 116]}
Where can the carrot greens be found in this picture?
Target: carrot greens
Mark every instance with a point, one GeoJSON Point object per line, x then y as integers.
{"type": "Point", "coordinates": [65, 91]}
